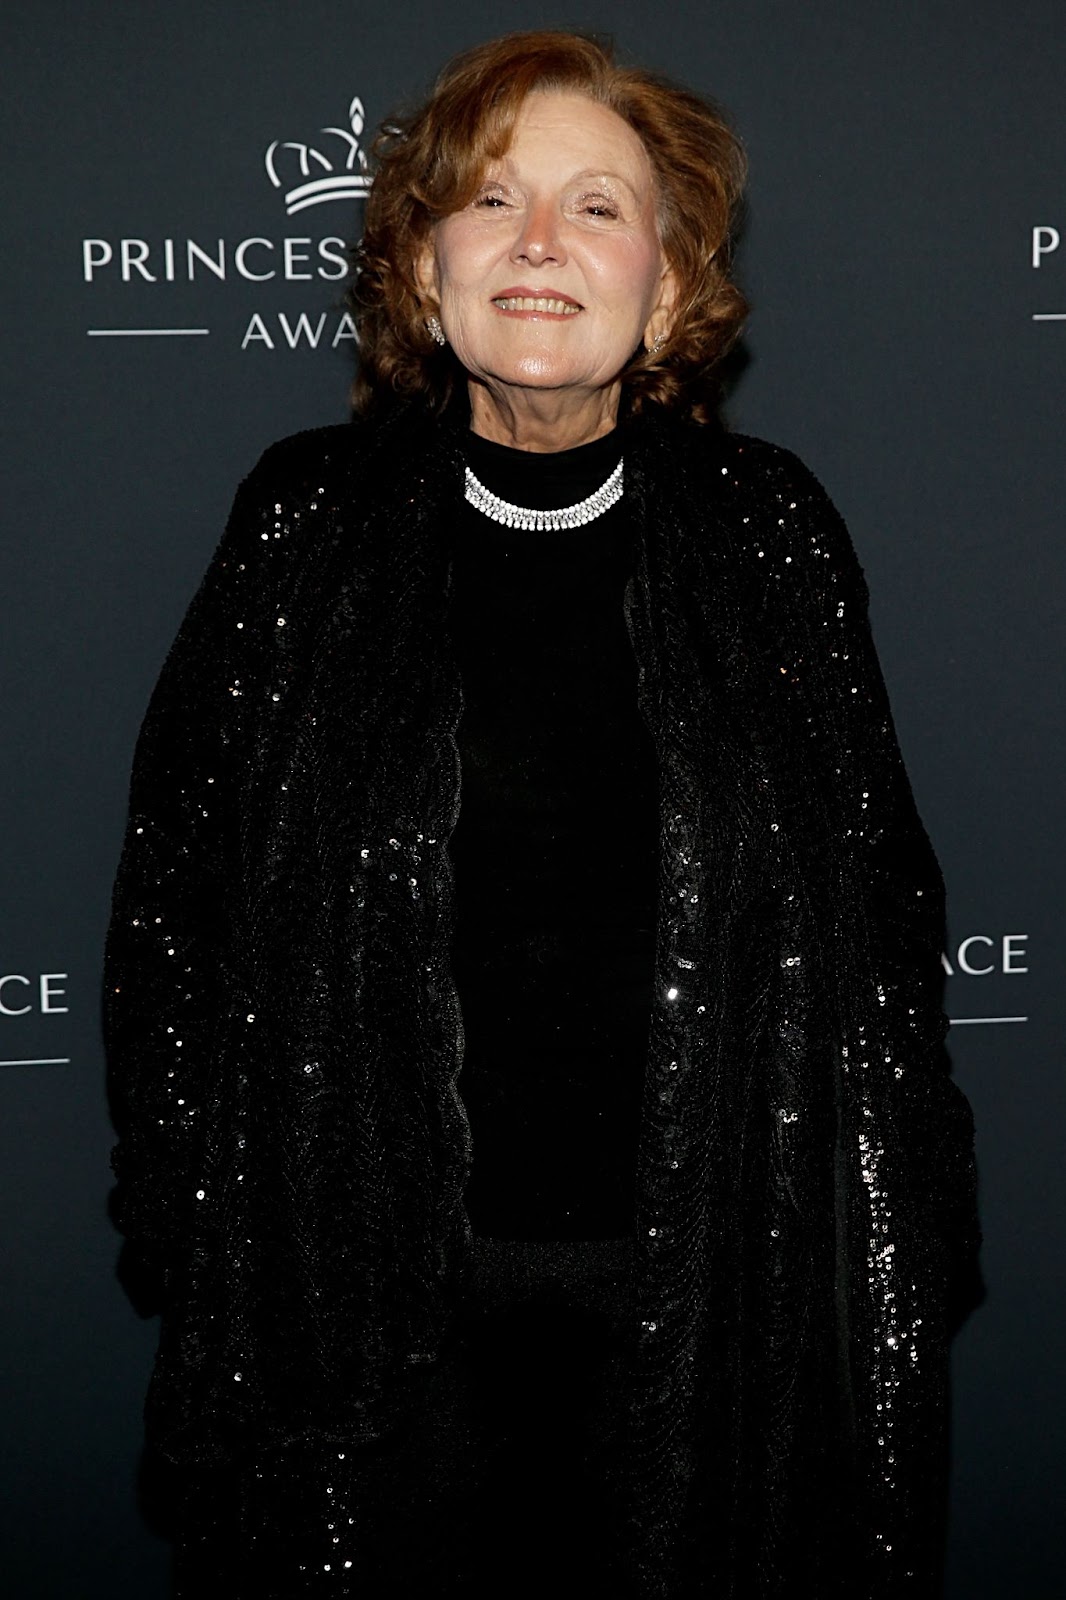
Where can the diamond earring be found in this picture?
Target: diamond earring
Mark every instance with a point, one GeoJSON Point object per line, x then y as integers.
{"type": "Point", "coordinates": [434, 328]}
{"type": "Point", "coordinates": [657, 343]}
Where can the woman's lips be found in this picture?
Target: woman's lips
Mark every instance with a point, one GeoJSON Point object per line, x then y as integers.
{"type": "Point", "coordinates": [527, 305]}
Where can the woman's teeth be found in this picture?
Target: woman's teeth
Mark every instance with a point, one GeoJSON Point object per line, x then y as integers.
{"type": "Point", "coordinates": [564, 308]}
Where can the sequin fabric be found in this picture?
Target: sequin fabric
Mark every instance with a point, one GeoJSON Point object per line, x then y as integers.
{"type": "Point", "coordinates": [285, 1038]}
{"type": "Point", "coordinates": [502, 1458]}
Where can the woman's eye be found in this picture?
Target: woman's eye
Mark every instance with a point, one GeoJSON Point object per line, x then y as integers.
{"type": "Point", "coordinates": [490, 200]}
{"type": "Point", "coordinates": [598, 206]}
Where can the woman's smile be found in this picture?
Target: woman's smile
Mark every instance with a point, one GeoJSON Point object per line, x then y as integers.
{"type": "Point", "coordinates": [531, 303]}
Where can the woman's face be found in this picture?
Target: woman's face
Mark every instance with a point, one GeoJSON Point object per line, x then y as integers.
{"type": "Point", "coordinates": [554, 273]}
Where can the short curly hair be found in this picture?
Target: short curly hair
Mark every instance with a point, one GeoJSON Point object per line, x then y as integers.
{"type": "Point", "coordinates": [429, 163]}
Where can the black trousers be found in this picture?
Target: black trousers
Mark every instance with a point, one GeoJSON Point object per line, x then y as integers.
{"type": "Point", "coordinates": [498, 1479]}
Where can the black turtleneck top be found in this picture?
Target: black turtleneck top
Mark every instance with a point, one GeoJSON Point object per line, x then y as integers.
{"type": "Point", "coordinates": [555, 853]}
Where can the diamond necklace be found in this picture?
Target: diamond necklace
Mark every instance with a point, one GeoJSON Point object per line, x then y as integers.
{"type": "Point", "coordinates": [527, 517]}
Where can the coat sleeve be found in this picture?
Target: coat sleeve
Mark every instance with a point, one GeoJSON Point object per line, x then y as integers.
{"type": "Point", "coordinates": [890, 930]}
{"type": "Point", "coordinates": [166, 992]}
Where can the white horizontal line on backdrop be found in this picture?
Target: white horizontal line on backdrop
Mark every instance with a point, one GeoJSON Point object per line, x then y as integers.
{"type": "Point", "coordinates": [141, 333]}
{"type": "Point", "coordinates": [43, 1061]}
{"type": "Point", "coordinates": [958, 1022]}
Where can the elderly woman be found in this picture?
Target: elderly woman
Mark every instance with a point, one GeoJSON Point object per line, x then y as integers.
{"type": "Point", "coordinates": [522, 991]}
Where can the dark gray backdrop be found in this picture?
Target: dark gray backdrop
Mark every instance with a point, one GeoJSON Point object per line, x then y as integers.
{"type": "Point", "coordinates": [903, 341]}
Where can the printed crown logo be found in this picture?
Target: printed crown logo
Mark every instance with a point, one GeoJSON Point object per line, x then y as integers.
{"type": "Point", "coordinates": [339, 172]}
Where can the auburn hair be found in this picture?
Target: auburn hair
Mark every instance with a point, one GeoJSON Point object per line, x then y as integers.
{"type": "Point", "coordinates": [429, 164]}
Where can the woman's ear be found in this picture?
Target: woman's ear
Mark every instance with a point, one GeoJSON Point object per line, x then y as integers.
{"type": "Point", "coordinates": [660, 323]}
{"type": "Point", "coordinates": [426, 269]}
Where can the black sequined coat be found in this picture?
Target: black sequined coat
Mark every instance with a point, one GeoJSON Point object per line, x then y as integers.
{"type": "Point", "coordinates": [284, 1035]}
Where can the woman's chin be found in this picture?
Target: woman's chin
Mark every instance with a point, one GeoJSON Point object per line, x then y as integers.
{"type": "Point", "coordinates": [542, 371]}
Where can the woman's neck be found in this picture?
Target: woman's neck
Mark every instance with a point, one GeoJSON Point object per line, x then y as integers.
{"type": "Point", "coordinates": [542, 420]}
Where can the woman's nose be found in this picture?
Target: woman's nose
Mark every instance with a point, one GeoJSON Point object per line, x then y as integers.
{"type": "Point", "coordinates": [538, 239]}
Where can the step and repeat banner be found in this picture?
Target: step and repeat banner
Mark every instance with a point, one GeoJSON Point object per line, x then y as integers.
{"type": "Point", "coordinates": [182, 182]}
